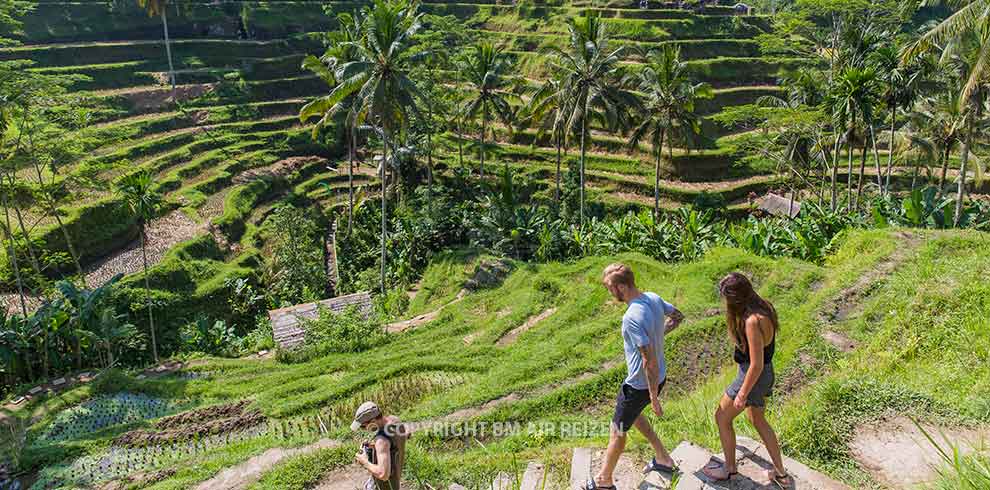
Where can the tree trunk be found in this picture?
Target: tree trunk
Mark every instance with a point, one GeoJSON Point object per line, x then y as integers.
{"type": "Point", "coordinates": [945, 171]}
{"type": "Point", "coordinates": [556, 193]}
{"type": "Point", "coordinates": [168, 53]}
{"type": "Point", "coordinates": [147, 293]}
{"type": "Point", "coordinates": [13, 256]}
{"type": "Point", "coordinates": [27, 241]}
{"type": "Point", "coordinates": [351, 143]}
{"type": "Point", "coordinates": [890, 157]}
{"type": "Point", "coordinates": [876, 160]}
{"type": "Point", "coordinates": [656, 179]}
{"type": "Point", "coordinates": [584, 129]}
{"type": "Point", "coordinates": [849, 170]}
{"type": "Point", "coordinates": [384, 227]}
{"type": "Point", "coordinates": [835, 173]}
{"type": "Point", "coordinates": [460, 146]}
{"type": "Point", "coordinates": [481, 140]}
{"type": "Point", "coordinates": [963, 167]}
{"type": "Point", "coordinates": [862, 175]}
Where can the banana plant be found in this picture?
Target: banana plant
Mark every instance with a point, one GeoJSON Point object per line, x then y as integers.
{"type": "Point", "coordinates": [85, 311]}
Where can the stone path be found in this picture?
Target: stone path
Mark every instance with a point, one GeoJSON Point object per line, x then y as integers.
{"type": "Point", "coordinates": [753, 460]}
{"type": "Point", "coordinates": [350, 477]}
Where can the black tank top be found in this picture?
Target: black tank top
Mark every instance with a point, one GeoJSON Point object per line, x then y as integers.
{"type": "Point", "coordinates": [394, 435]}
{"type": "Point", "coordinates": [743, 358]}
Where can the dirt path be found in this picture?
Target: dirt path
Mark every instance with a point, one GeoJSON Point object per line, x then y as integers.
{"type": "Point", "coordinates": [402, 326]}
{"type": "Point", "coordinates": [243, 475]}
{"type": "Point", "coordinates": [898, 453]}
{"type": "Point", "coordinates": [510, 337]}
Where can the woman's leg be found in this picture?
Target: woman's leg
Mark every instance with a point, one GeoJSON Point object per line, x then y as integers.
{"type": "Point", "coordinates": [725, 414]}
{"type": "Point", "coordinates": [757, 416]}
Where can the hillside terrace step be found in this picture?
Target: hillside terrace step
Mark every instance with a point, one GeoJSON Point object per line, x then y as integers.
{"type": "Point", "coordinates": [628, 474]}
{"type": "Point", "coordinates": [753, 461]}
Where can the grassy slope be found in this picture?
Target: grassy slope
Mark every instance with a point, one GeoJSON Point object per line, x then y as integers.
{"type": "Point", "coordinates": [927, 320]}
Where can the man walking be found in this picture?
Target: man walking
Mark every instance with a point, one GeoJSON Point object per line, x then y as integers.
{"type": "Point", "coordinates": [647, 319]}
{"type": "Point", "coordinates": [385, 456]}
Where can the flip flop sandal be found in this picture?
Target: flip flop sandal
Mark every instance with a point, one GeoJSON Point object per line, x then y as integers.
{"type": "Point", "coordinates": [592, 485]}
{"type": "Point", "coordinates": [784, 481]}
{"type": "Point", "coordinates": [715, 465]}
{"type": "Point", "coordinates": [660, 468]}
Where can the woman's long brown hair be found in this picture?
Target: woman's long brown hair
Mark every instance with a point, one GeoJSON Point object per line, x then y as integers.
{"type": "Point", "coordinates": [742, 301]}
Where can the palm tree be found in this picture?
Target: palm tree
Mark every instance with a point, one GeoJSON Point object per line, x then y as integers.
{"type": "Point", "coordinates": [590, 74]}
{"type": "Point", "coordinates": [158, 7]}
{"type": "Point", "coordinates": [137, 191]}
{"type": "Point", "coordinates": [378, 78]}
{"type": "Point", "coordinates": [936, 124]}
{"type": "Point", "coordinates": [668, 107]}
{"type": "Point", "coordinates": [488, 71]}
{"type": "Point", "coordinates": [341, 50]}
{"type": "Point", "coordinates": [851, 101]}
{"type": "Point", "coordinates": [548, 110]}
{"type": "Point", "coordinates": [964, 39]}
{"type": "Point", "coordinates": [900, 88]}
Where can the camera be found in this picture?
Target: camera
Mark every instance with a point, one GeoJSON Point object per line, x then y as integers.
{"type": "Point", "coordinates": [369, 451]}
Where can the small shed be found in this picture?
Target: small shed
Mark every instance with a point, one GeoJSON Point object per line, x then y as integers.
{"type": "Point", "coordinates": [287, 323]}
{"type": "Point", "coordinates": [776, 205]}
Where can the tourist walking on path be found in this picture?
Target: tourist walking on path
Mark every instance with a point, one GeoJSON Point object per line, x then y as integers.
{"type": "Point", "coordinates": [753, 327]}
{"type": "Point", "coordinates": [647, 319]}
{"type": "Point", "coordinates": [385, 456]}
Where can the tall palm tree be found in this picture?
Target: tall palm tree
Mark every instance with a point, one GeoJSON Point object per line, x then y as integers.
{"type": "Point", "coordinates": [964, 40]}
{"type": "Point", "coordinates": [900, 88]}
{"type": "Point", "coordinates": [341, 50]}
{"type": "Point", "coordinates": [548, 110]}
{"type": "Point", "coordinates": [378, 78]}
{"type": "Point", "coordinates": [668, 107]}
{"type": "Point", "coordinates": [488, 70]}
{"type": "Point", "coordinates": [852, 101]}
{"type": "Point", "coordinates": [590, 73]}
{"type": "Point", "coordinates": [138, 192]}
{"type": "Point", "coordinates": [158, 7]}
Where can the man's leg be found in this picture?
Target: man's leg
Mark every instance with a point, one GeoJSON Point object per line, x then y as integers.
{"type": "Point", "coordinates": [616, 444]}
{"type": "Point", "coordinates": [643, 425]}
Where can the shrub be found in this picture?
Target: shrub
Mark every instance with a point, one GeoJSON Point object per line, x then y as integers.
{"type": "Point", "coordinates": [346, 331]}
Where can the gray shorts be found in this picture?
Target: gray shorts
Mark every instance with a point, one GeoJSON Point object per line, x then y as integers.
{"type": "Point", "coordinates": [762, 389]}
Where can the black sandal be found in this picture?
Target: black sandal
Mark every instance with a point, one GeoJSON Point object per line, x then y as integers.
{"type": "Point", "coordinates": [717, 464]}
{"type": "Point", "coordinates": [660, 468]}
{"type": "Point", "coordinates": [784, 481]}
{"type": "Point", "coordinates": [592, 485]}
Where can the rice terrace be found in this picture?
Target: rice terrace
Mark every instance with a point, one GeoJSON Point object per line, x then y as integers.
{"type": "Point", "coordinates": [494, 244]}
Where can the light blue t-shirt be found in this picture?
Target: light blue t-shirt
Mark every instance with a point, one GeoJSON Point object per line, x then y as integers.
{"type": "Point", "coordinates": [642, 325]}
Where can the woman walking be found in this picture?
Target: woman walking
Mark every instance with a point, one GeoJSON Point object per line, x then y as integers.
{"type": "Point", "coordinates": [753, 327]}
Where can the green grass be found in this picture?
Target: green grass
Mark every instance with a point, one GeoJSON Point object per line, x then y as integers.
{"type": "Point", "coordinates": [927, 320]}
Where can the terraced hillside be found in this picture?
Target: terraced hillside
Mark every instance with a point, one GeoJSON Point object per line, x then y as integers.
{"type": "Point", "coordinates": [541, 352]}
{"type": "Point", "coordinates": [241, 86]}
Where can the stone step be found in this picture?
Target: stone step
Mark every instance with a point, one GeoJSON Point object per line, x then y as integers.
{"type": "Point", "coordinates": [628, 474]}
{"type": "Point", "coordinates": [753, 461]}
{"type": "Point", "coordinates": [691, 458]}
{"type": "Point", "coordinates": [580, 467]}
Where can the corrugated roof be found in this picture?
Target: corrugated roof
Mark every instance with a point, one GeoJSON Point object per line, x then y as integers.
{"type": "Point", "coordinates": [776, 205]}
